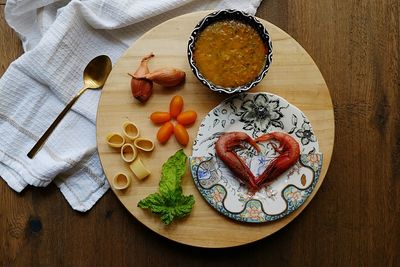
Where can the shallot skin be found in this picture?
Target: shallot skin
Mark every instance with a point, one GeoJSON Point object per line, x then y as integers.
{"type": "Point", "coordinates": [142, 89]}
{"type": "Point", "coordinates": [167, 77]}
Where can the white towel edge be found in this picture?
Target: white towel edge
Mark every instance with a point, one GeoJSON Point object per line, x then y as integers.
{"type": "Point", "coordinates": [15, 183]}
{"type": "Point", "coordinates": [74, 202]}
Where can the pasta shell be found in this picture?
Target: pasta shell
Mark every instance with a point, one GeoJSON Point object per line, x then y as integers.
{"type": "Point", "coordinates": [138, 168]}
{"type": "Point", "coordinates": [144, 144]}
{"type": "Point", "coordinates": [131, 131]}
{"type": "Point", "coordinates": [121, 181]}
{"type": "Point", "coordinates": [115, 140]}
{"type": "Point", "coordinates": [128, 152]}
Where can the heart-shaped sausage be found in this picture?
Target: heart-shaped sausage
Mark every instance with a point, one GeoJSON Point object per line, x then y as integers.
{"type": "Point", "coordinates": [289, 152]}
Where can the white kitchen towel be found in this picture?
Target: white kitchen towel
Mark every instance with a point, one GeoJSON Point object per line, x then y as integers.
{"type": "Point", "coordinates": [59, 39]}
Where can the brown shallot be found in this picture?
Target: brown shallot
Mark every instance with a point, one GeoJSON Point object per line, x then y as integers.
{"type": "Point", "coordinates": [142, 88]}
{"type": "Point", "coordinates": [166, 77]}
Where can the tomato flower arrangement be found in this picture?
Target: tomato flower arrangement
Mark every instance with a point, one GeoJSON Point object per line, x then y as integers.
{"type": "Point", "coordinates": [168, 129]}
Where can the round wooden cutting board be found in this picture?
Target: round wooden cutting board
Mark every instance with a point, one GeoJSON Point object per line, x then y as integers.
{"type": "Point", "coordinates": [293, 75]}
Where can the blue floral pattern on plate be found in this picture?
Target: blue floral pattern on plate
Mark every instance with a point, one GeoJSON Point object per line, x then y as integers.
{"type": "Point", "coordinates": [255, 114]}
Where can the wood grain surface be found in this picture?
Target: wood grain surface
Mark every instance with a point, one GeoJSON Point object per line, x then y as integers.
{"type": "Point", "coordinates": [352, 221]}
{"type": "Point", "coordinates": [293, 76]}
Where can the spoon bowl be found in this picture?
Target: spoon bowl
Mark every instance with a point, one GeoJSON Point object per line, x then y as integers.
{"type": "Point", "coordinates": [94, 77]}
{"type": "Point", "coordinates": [96, 72]}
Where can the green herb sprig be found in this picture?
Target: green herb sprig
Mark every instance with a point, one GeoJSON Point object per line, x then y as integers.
{"type": "Point", "coordinates": [170, 203]}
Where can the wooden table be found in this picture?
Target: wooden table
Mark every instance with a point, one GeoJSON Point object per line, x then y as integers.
{"type": "Point", "coordinates": [352, 221]}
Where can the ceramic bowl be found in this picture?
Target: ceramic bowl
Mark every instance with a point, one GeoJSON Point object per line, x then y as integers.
{"type": "Point", "coordinates": [230, 15]}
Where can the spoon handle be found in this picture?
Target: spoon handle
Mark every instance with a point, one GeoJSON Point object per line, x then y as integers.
{"type": "Point", "coordinates": [46, 134]}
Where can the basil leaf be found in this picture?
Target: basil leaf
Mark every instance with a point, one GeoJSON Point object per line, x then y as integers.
{"type": "Point", "coordinates": [170, 203]}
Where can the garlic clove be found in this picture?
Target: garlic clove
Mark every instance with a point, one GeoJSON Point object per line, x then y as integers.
{"type": "Point", "coordinates": [130, 130]}
{"type": "Point", "coordinates": [115, 140]}
{"type": "Point", "coordinates": [121, 181]}
{"type": "Point", "coordinates": [128, 152]}
{"type": "Point", "coordinates": [144, 144]}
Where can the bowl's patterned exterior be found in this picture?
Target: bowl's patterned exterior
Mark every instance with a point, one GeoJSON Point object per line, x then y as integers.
{"type": "Point", "coordinates": [236, 15]}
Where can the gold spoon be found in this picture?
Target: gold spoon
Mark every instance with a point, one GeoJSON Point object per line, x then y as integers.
{"type": "Point", "coordinates": [94, 77]}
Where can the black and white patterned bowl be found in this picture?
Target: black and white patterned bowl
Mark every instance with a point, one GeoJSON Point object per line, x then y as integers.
{"type": "Point", "coordinates": [234, 15]}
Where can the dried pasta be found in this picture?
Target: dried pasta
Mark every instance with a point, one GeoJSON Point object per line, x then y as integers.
{"type": "Point", "coordinates": [138, 168]}
{"type": "Point", "coordinates": [144, 144]}
{"type": "Point", "coordinates": [115, 140]}
{"type": "Point", "coordinates": [129, 146]}
{"type": "Point", "coordinates": [131, 131]}
{"type": "Point", "coordinates": [121, 181]}
{"type": "Point", "coordinates": [128, 152]}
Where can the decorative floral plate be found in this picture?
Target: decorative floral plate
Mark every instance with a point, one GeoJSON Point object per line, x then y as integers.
{"type": "Point", "coordinates": [255, 114]}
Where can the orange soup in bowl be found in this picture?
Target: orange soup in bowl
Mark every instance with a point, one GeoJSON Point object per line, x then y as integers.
{"type": "Point", "coordinates": [229, 53]}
